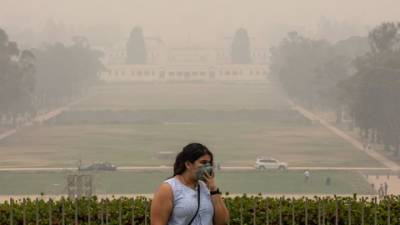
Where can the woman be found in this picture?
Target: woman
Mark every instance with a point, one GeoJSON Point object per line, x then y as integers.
{"type": "Point", "coordinates": [185, 199]}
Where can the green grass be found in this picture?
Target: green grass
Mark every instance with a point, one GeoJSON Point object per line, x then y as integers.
{"type": "Point", "coordinates": [272, 182]}
{"type": "Point", "coordinates": [236, 144]}
{"type": "Point", "coordinates": [184, 96]}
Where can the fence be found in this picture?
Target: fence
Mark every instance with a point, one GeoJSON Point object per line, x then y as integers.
{"type": "Point", "coordinates": [243, 211]}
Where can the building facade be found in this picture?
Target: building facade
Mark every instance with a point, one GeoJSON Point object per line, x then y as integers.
{"type": "Point", "coordinates": [187, 63]}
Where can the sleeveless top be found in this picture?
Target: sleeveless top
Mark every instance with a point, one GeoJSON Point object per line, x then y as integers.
{"type": "Point", "coordinates": [185, 204]}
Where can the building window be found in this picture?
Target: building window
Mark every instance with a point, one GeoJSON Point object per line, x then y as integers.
{"type": "Point", "coordinates": [162, 74]}
{"type": "Point", "coordinates": [212, 74]}
{"type": "Point", "coordinates": [187, 74]}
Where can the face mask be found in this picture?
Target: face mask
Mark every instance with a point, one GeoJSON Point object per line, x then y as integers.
{"type": "Point", "coordinates": [206, 168]}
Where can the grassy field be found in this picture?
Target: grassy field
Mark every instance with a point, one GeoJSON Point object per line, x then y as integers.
{"type": "Point", "coordinates": [184, 96]}
{"type": "Point", "coordinates": [234, 144]}
{"type": "Point", "coordinates": [235, 141]}
{"type": "Point", "coordinates": [233, 182]}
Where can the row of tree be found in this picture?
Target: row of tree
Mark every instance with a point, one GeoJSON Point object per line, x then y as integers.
{"type": "Point", "coordinates": [40, 78]}
{"type": "Point", "coordinates": [373, 92]}
{"type": "Point", "coordinates": [360, 75]}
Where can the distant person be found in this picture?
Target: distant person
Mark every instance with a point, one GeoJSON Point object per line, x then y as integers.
{"type": "Point", "coordinates": [306, 176]}
{"type": "Point", "coordinates": [381, 191]}
{"type": "Point", "coordinates": [218, 166]}
{"type": "Point", "coordinates": [386, 187]}
{"type": "Point", "coordinates": [328, 181]}
{"type": "Point", "coordinates": [190, 196]}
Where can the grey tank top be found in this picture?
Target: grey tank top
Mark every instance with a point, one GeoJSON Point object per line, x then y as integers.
{"type": "Point", "coordinates": [185, 204]}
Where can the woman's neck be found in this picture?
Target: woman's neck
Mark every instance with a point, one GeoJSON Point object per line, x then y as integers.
{"type": "Point", "coordinates": [185, 179]}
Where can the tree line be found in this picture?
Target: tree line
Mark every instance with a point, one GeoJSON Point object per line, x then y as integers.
{"type": "Point", "coordinates": [359, 76]}
{"type": "Point", "coordinates": [44, 77]}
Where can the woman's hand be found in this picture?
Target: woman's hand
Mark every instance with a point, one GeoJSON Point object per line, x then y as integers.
{"type": "Point", "coordinates": [210, 181]}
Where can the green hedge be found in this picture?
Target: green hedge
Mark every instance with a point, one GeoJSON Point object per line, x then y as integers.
{"type": "Point", "coordinates": [243, 210]}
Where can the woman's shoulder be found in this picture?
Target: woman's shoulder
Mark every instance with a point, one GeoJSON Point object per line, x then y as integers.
{"type": "Point", "coordinates": [164, 192]}
{"type": "Point", "coordinates": [171, 181]}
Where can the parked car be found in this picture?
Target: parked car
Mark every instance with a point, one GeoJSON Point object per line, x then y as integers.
{"type": "Point", "coordinates": [106, 166]}
{"type": "Point", "coordinates": [267, 163]}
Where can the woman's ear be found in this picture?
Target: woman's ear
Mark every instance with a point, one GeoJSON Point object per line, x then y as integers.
{"type": "Point", "coordinates": [188, 165]}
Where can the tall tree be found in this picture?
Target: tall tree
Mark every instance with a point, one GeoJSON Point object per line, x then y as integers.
{"type": "Point", "coordinates": [136, 47]}
{"type": "Point", "coordinates": [375, 88]}
{"type": "Point", "coordinates": [66, 71]}
{"type": "Point", "coordinates": [308, 69]}
{"type": "Point", "coordinates": [16, 78]}
{"type": "Point", "coordinates": [240, 52]}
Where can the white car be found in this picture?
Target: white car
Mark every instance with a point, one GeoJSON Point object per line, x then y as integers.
{"type": "Point", "coordinates": [267, 163]}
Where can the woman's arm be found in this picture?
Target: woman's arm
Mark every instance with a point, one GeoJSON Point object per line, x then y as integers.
{"type": "Point", "coordinates": [221, 213]}
{"type": "Point", "coordinates": [161, 205]}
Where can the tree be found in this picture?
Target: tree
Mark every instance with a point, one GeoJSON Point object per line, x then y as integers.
{"type": "Point", "coordinates": [384, 38]}
{"type": "Point", "coordinates": [240, 52]}
{"type": "Point", "coordinates": [16, 78]}
{"type": "Point", "coordinates": [136, 47]}
{"type": "Point", "coordinates": [308, 69]}
{"type": "Point", "coordinates": [374, 89]}
{"type": "Point", "coordinates": [65, 71]}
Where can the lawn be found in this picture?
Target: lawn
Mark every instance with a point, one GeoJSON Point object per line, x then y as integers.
{"type": "Point", "coordinates": [272, 182]}
{"type": "Point", "coordinates": [128, 125]}
{"type": "Point", "coordinates": [184, 96]}
{"type": "Point", "coordinates": [234, 144]}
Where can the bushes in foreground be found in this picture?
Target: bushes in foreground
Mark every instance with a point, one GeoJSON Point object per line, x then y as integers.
{"type": "Point", "coordinates": [243, 210]}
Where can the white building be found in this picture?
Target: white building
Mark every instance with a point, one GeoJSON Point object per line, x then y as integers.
{"type": "Point", "coordinates": [191, 72]}
{"type": "Point", "coordinates": [186, 63]}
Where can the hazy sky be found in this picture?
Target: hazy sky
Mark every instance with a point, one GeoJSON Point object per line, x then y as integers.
{"type": "Point", "coordinates": [176, 20]}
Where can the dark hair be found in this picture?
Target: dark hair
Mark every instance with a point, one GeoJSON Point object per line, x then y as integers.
{"type": "Point", "coordinates": [191, 153]}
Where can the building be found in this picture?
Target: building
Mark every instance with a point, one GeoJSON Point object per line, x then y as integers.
{"type": "Point", "coordinates": [184, 63]}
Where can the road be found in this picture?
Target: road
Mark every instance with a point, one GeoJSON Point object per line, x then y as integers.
{"type": "Point", "coordinates": [169, 168]}
{"type": "Point", "coordinates": [357, 144]}
{"type": "Point", "coordinates": [41, 118]}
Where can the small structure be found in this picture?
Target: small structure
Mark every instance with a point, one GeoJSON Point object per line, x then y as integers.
{"type": "Point", "coordinates": [80, 185]}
